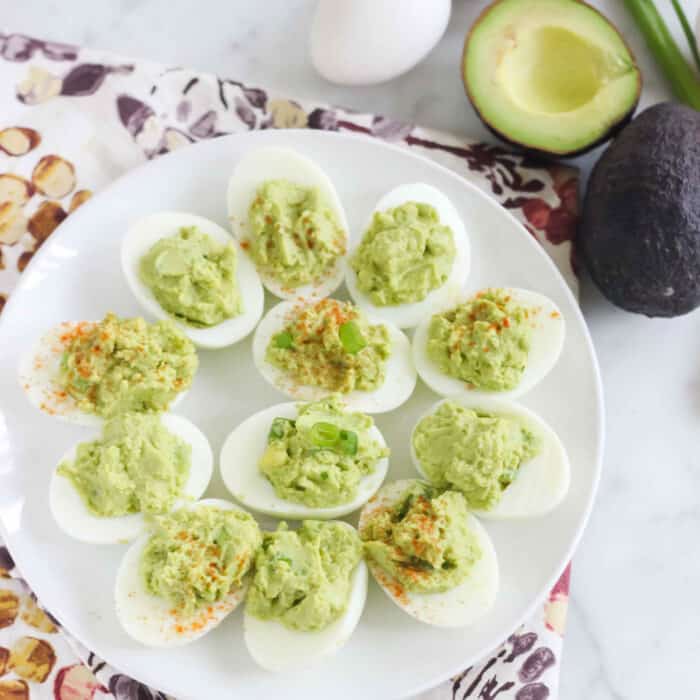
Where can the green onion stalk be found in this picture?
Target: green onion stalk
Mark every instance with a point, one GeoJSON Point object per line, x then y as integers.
{"type": "Point", "coordinates": [683, 80]}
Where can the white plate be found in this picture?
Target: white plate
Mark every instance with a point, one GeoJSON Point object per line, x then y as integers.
{"type": "Point", "coordinates": [75, 276]}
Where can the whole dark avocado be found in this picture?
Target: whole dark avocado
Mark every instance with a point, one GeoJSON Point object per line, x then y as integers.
{"type": "Point", "coordinates": [640, 232]}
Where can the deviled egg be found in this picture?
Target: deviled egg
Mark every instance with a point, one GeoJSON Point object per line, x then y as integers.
{"type": "Point", "coordinates": [313, 460]}
{"type": "Point", "coordinates": [307, 595]}
{"type": "Point", "coordinates": [141, 464]}
{"type": "Point", "coordinates": [505, 459]}
{"type": "Point", "coordinates": [286, 214]}
{"type": "Point", "coordinates": [413, 257]}
{"type": "Point", "coordinates": [429, 554]}
{"type": "Point", "coordinates": [498, 341]}
{"type": "Point", "coordinates": [309, 351]}
{"type": "Point", "coordinates": [85, 371]}
{"type": "Point", "coordinates": [188, 268]}
{"type": "Point", "coordinates": [181, 579]}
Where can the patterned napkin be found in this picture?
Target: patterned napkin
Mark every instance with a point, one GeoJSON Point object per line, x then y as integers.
{"type": "Point", "coordinates": [74, 119]}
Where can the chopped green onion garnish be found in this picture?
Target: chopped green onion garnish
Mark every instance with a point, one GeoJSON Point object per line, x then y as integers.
{"type": "Point", "coordinates": [327, 436]}
{"type": "Point", "coordinates": [351, 337]}
{"type": "Point", "coordinates": [284, 340]}
{"type": "Point", "coordinates": [324, 434]}
{"type": "Point", "coordinates": [403, 510]}
{"type": "Point", "coordinates": [279, 428]}
{"type": "Point", "coordinates": [347, 442]}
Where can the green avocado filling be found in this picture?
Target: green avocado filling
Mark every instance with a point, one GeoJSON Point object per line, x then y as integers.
{"type": "Point", "coordinates": [303, 577]}
{"type": "Point", "coordinates": [484, 341]}
{"type": "Point", "coordinates": [331, 345]}
{"type": "Point", "coordinates": [423, 540]}
{"type": "Point", "coordinates": [404, 255]}
{"type": "Point", "coordinates": [319, 459]}
{"type": "Point", "coordinates": [193, 277]}
{"type": "Point", "coordinates": [294, 235]}
{"type": "Point", "coordinates": [120, 365]}
{"type": "Point", "coordinates": [194, 558]}
{"type": "Point", "coordinates": [475, 452]}
{"type": "Point", "coordinates": [137, 466]}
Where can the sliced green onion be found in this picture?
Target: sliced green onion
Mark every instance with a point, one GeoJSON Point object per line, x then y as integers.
{"type": "Point", "coordinates": [351, 337]}
{"type": "Point", "coordinates": [324, 434]}
{"type": "Point", "coordinates": [279, 428]}
{"type": "Point", "coordinates": [347, 442]}
{"type": "Point", "coordinates": [284, 340]}
{"type": "Point", "coordinates": [403, 510]}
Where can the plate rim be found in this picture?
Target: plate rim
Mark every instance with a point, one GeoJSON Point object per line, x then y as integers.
{"type": "Point", "coordinates": [261, 135]}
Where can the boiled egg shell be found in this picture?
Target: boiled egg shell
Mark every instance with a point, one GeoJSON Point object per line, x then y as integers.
{"type": "Point", "coordinates": [545, 347]}
{"type": "Point", "coordinates": [541, 483]}
{"type": "Point", "coordinates": [277, 648]}
{"type": "Point", "coordinates": [148, 231]}
{"type": "Point", "coordinates": [461, 605]}
{"type": "Point", "coordinates": [400, 377]}
{"type": "Point", "coordinates": [73, 517]}
{"type": "Point", "coordinates": [271, 163]}
{"type": "Point", "coordinates": [38, 373]}
{"type": "Point", "coordinates": [149, 619]}
{"type": "Point", "coordinates": [409, 315]}
{"type": "Point", "coordinates": [239, 469]}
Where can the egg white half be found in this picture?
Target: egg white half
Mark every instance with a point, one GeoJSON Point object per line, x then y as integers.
{"type": "Point", "coordinates": [276, 648]}
{"type": "Point", "coordinates": [400, 377]}
{"type": "Point", "coordinates": [38, 370]}
{"type": "Point", "coordinates": [37, 373]}
{"type": "Point", "coordinates": [73, 517]}
{"type": "Point", "coordinates": [462, 605]}
{"type": "Point", "coordinates": [271, 163]}
{"type": "Point", "coordinates": [149, 619]}
{"type": "Point", "coordinates": [239, 469]}
{"type": "Point", "coordinates": [409, 315]}
{"type": "Point", "coordinates": [546, 345]}
{"type": "Point", "coordinates": [148, 231]}
{"type": "Point", "coordinates": [541, 483]}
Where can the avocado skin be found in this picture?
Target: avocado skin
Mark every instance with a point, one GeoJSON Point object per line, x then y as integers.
{"type": "Point", "coordinates": [554, 155]}
{"type": "Point", "coordinates": [640, 232]}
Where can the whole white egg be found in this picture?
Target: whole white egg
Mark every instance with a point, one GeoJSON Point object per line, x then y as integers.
{"type": "Point", "coordinates": [363, 42]}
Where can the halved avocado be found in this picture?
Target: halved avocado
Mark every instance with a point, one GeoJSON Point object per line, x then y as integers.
{"type": "Point", "coordinates": [553, 76]}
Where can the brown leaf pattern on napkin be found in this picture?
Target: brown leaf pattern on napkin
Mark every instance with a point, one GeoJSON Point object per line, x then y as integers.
{"type": "Point", "coordinates": [148, 110]}
{"type": "Point", "coordinates": [40, 85]}
{"type": "Point", "coordinates": [20, 48]}
{"type": "Point", "coordinates": [31, 208]}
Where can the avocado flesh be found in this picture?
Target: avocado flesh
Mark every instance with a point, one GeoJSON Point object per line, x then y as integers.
{"type": "Point", "coordinates": [552, 75]}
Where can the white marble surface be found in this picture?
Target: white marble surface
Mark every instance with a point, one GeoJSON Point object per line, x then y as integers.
{"type": "Point", "coordinates": [633, 628]}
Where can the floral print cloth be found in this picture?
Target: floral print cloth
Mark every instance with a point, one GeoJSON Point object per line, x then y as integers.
{"type": "Point", "coordinates": [74, 119]}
